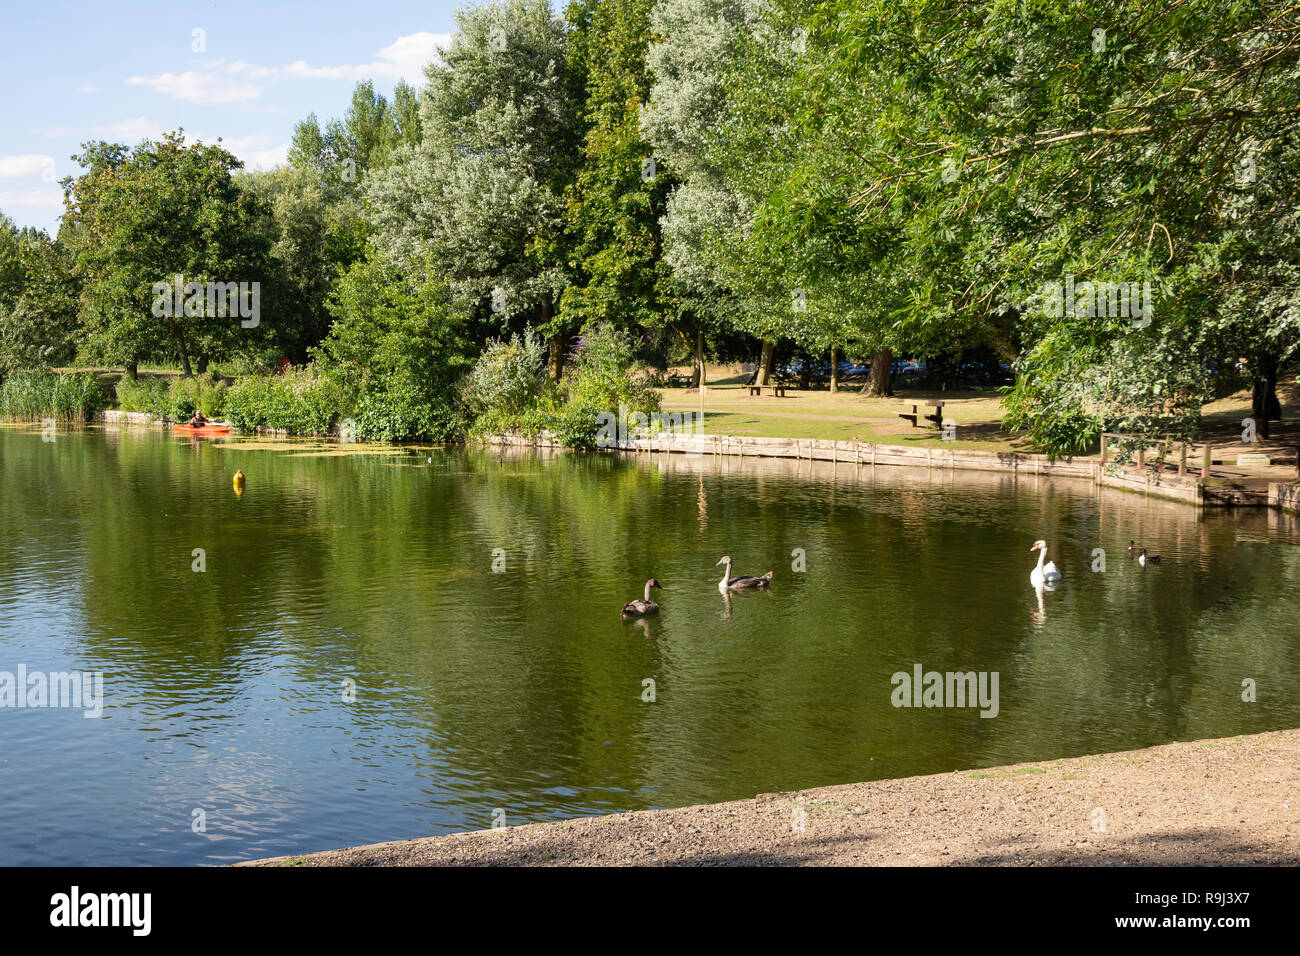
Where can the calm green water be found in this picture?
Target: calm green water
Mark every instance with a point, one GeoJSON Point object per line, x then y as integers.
{"type": "Point", "coordinates": [522, 690]}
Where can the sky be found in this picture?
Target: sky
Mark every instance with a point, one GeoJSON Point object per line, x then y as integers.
{"type": "Point", "coordinates": [125, 71]}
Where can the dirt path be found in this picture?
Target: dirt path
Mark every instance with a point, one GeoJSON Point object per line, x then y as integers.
{"type": "Point", "coordinates": [1230, 801]}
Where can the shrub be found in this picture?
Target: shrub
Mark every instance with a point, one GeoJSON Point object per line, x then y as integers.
{"type": "Point", "coordinates": [189, 395]}
{"type": "Point", "coordinates": [508, 377]}
{"type": "Point", "coordinates": [575, 424]}
{"type": "Point", "coordinates": [301, 401]}
{"type": "Point", "coordinates": [172, 399]}
{"type": "Point", "coordinates": [143, 394]}
{"type": "Point", "coordinates": [397, 345]}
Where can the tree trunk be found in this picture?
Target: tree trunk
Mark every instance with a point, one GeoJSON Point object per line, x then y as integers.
{"type": "Point", "coordinates": [805, 369]}
{"type": "Point", "coordinates": [878, 385]}
{"type": "Point", "coordinates": [1264, 404]}
{"type": "Point", "coordinates": [835, 368]}
{"type": "Point", "coordinates": [202, 364]}
{"type": "Point", "coordinates": [555, 360]}
{"type": "Point", "coordinates": [765, 363]}
{"type": "Point", "coordinates": [701, 372]}
{"type": "Point", "coordinates": [133, 370]}
{"type": "Point", "coordinates": [182, 352]}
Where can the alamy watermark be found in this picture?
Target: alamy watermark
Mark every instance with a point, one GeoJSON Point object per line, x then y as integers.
{"type": "Point", "coordinates": [241, 300]}
{"type": "Point", "coordinates": [36, 689]}
{"type": "Point", "coordinates": [1128, 300]}
{"type": "Point", "coordinates": [954, 689]}
{"type": "Point", "coordinates": [614, 429]}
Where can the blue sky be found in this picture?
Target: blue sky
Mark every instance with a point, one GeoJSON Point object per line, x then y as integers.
{"type": "Point", "coordinates": [126, 71]}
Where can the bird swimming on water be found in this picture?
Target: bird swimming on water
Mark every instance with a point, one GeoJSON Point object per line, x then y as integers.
{"type": "Point", "coordinates": [1044, 573]}
{"type": "Point", "coordinates": [640, 608]}
{"type": "Point", "coordinates": [741, 581]}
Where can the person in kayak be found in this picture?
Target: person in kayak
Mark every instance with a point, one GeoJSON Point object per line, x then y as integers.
{"type": "Point", "coordinates": [198, 421]}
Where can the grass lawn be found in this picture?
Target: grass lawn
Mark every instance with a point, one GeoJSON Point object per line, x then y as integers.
{"type": "Point", "coordinates": [848, 415]}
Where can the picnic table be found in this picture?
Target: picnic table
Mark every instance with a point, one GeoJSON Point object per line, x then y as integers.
{"type": "Point", "coordinates": [915, 415]}
{"type": "Point", "coordinates": [778, 391]}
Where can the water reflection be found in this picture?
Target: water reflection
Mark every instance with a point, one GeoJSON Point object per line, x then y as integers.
{"type": "Point", "coordinates": [522, 689]}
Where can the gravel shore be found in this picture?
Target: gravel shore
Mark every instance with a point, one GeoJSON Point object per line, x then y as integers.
{"type": "Point", "coordinates": [1234, 800]}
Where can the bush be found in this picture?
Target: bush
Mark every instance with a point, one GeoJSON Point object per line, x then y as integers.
{"type": "Point", "coordinates": [508, 377]}
{"type": "Point", "coordinates": [397, 345]}
{"type": "Point", "coordinates": [301, 401]}
{"type": "Point", "coordinates": [401, 414]}
{"type": "Point", "coordinates": [143, 394]}
{"type": "Point", "coordinates": [601, 377]}
{"type": "Point", "coordinates": [601, 381]}
{"type": "Point", "coordinates": [189, 395]}
{"type": "Point", "coordinates": [31, 396]}
{"type": "Point", "coordinates": [511, 396]}
{"type": "Point", "coordinates": [172, 399]}
{"type": "Point", "coordinates": [575, 425]}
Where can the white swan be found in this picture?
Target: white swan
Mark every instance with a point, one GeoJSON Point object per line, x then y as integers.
{"type": "Point", "coordinates": [1043, 573]}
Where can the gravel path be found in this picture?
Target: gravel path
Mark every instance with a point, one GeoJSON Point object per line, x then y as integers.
{"type": "Point", "coordinates": [1230, 801]}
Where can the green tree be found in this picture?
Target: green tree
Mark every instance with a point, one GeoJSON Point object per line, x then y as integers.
{"type": "Point", "coordinates": [397, 346]}
{"type": "Point", "coordinates": [479, 199]}
{"type": "Point", "coordinates": [141, 217]}
{"type": "Point", "coordinates": [613, 207]}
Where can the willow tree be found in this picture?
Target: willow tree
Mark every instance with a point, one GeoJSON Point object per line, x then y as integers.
{"type": "Point", "coordinates": [479, 199]}
{"type": "Point", "coordinates": [706, 214]}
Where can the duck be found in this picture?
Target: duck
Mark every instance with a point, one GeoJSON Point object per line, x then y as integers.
{"type": "Point", "coordinates": [1143, 557]}
{"type": "Point", "coordinates": [1043, 573]}
{"type": "Point", "coordinates": [1132, 548]}
{"type": "Point", "coordinates": [740, 581]}
{"type": "Point", "coordinates": [640, 608]}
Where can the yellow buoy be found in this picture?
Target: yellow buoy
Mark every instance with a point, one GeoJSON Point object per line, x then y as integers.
{"type": "Point", "coordinates": [239, 482]}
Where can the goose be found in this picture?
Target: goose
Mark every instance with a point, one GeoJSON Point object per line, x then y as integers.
{"type": "Point", "coordinates": [1132, 548]}
{"type": "Point", "coordinates": [740, 581]}
{"type": "Point", "coordinates": [1043, 573]}
{"type": "Point", "coordinates": [642, 608]}
{"type": "Point", "coordinates": [1143, 557]}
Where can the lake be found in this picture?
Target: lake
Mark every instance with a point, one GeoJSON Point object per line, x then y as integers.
{"type": "Point", "coordinates": [347, 667]}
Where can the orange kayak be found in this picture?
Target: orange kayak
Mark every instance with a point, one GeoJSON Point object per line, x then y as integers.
{"type": "Point", "coordinates": [202, 429]}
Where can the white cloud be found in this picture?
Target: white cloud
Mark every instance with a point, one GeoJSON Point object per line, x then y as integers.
{"type": "Point", "coordinates": [130, 131]}
{"type": "Point", "coordinates": [88, 88]}
{"type": "Point", "coordinates": [404, 59]}
{"type": "Point", "coordinates": [32, 199]}
{"type": "Point", "coordinates": [409, 55]}
{"type": "Point", "coordinates": [27, 166]}
{"type": "Point", "coordinates": [256, 153]}
{"type": "Point", "coordinates": [252, 71]}
{"type": "Point", "coordinates": [194, 87]}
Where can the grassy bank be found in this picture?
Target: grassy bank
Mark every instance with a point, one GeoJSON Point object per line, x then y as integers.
{"type": "Point", "coordinates": [848, 415]}
{"type": "Point", "coordinates": [34, 396]}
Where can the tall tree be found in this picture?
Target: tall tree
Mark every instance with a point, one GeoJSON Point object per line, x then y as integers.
{"type": "Point", "coordinates": [141, 217]}
{"type": "Point", "coordinates": [480, 197]}
{"type": "Point", "coordinates": [614, 205]}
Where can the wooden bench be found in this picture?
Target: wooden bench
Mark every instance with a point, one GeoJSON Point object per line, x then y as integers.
{"type": "Point", "coordinates": [778, 391]}
{"type": "Point", "coordinates": [915, 415]}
